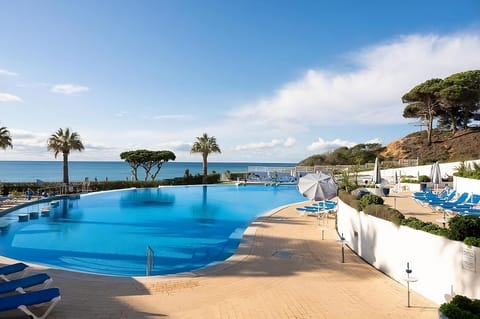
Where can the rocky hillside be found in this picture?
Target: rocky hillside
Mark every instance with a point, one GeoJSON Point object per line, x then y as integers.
{"type": "Point", "coordinates": [445, 147]}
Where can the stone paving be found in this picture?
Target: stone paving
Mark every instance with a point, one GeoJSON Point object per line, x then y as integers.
{"type": "Point", "coordinates": [283, 269]}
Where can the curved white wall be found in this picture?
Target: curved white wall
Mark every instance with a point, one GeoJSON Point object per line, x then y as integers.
{"type": "Point", "coordinates": [462, 185]}
{"type": "Point", "coordinates": [445, 169]}
{"type": "Point", "coordinates": [436, 261]}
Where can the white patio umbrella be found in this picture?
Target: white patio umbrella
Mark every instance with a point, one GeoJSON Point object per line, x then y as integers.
{"type": "Point", "coordinates": [436, 175]}
{"type": "Point", "coordinates": [377, 176]}
{"type": "Point", "coordinates": [318, 186]}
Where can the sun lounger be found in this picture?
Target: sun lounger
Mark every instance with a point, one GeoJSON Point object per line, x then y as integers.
{"type": "Point", "coordinates": [470, 204]}
{"type": "Point", "coordinates": [461, 199]}
{"type": "Point", "coordinates": [431, 199]}
{"type": "Point", "coordinates": [11, 269]}
{"type": "Point", "coordinates": [18, 285]}
{"type": "Point", "coordinates": [34, 298]}
{"type": "Point", "coordinates": [325, 205]}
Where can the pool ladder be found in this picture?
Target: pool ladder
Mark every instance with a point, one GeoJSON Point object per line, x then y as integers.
{"type": "Point", "coordinates": [150, 258]}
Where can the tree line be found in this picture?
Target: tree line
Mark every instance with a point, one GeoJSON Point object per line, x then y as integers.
{"type": "Point", "coordinates": [355, 155]}
{"type": "Point", "coordinates": [64, 141]}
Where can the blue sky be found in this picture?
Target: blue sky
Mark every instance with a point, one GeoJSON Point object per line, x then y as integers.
{"type": "Point", "coordinates": [273, 81]}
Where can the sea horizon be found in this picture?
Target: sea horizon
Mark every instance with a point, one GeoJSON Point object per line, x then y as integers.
{"type": "Point", "coordinates": [24, 171]}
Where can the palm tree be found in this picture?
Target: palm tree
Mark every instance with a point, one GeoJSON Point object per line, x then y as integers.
{"type": "Point", "coordinates": [5, 139]}
{"type": "Point", "coordinates": [205, 144]}
{"type": "Point", "coordinates": [64, 141]}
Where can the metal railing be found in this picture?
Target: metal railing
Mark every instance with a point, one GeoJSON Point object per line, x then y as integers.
{"type": "Point", "coordinates": [150, 260]}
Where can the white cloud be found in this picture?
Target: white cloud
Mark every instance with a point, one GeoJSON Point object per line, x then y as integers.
{"type": "Point", "coordinates": [290, 142]}
{"type": "Point", "coordinates": [179, 146]}
{"type": "Point", "coordinates": [5, 72]}
{"type": "Point", "coordinates": [5, 97]}
{"type": "Point", "coordinates": [121, 114]}
{"type": "Point", "coordinates": [371, 92]}
{"type": "Point", "coordinates": [170, 117]}
{"type": "Point", "coordinates": [323, 146]}
{"type": "Point", "coordinates": [266, 145]}
{"type": "Point", "coordinates": [68, 89]}
{"type": "Point", "coordinates": [375, 140]}
{"type": "Point", "coordinates": [27, 138]}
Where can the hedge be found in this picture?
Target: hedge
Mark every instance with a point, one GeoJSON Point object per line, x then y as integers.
{"type": "Point", "coordinates": [461, 228]}
{"type": "Point", "coordinates": [385, 212]}
{"type": "Point", "coordinates": [373, 206]}
{"type": "Point", "coordinates": [461, 307]}
{"type": "Point", "coordinates": [19, 188]}
{"type": "Point", "coordinates": [428, 227]}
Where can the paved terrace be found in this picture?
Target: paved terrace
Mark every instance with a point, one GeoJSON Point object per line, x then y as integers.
{"type": "Point", "coordinates": [283, 269]}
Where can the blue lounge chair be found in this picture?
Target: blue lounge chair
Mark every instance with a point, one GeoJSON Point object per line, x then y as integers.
{"type": "Point", "coordinates": [432, 199]}
{"type": "Point", "coordinates": [470, 204]}
{"type": "Point", "coordinates": [34, 298]}
{"type": "Point", "coordinates": [461, 199]}
{"type": "Point", "coordinates": [18, 285]}
{"type": "Point", "coordinates": [11, 269]}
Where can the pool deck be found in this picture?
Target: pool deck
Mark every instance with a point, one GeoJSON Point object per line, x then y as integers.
{"type": "Point", "coordinates": [283, 269]}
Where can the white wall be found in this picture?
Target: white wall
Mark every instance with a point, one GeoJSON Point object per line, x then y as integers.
{"type": "Point", "coordinates": [435, 260]}
{"type": "Point", "coordinates": [445, 169]}
{"type": "Point", "coordinates": [466, 185]}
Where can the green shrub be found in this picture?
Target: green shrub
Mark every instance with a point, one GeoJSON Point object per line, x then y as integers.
{"type": "Point", "coordinates": [413, 222]}
{"type": "Point", "coordinates": [423, 179]}
{"type": "Point", "coordinates": [384, 212]}
{"type": "Point", "coordinates": [409, 179]}
{"type": "Point", "coordinates": [428, 227]}
{"type": "Point", "coordinates": [461, 307]}
{"type": "Point", "coordinates": [369, 200]}
{"type": "Point", "coordinates": [458, 227]}
{"type": "Point", "coordinates": [472, 241]}
{"type": "Point", "coordinates": [462, 227]}
{"type": "Point", "coordinates": [349, 199]}
{"type": "Point", "coordinates": [468, 171]}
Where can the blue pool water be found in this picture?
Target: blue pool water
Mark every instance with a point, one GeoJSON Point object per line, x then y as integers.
{"type": "Point", "coordinates": [108, 233]}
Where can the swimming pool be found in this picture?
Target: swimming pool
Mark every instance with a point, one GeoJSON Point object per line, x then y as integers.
{"type": "Point", "coordinates": [187, 228]}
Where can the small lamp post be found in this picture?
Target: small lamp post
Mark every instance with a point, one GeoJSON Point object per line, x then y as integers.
{"type": "Point", "coordinates": [409, 279]}
{"type": "Point", "coordinates": [342, 242]}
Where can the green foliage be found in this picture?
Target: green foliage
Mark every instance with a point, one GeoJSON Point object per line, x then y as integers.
{"type": "Point", "coordinates": [459, 99]}
{"type": "Point", "coordinates": [369, 200]}
{"type": "Point", "coordinates": [409, 179]}
{"type": "Point", "coordinates": [5, 139]}
{"type": "Point", "coordinates": [189, 179]}
{"type": "Point", "coordinates": [384, 212]}
{"type": "Point", "coordinates": [150, 161]}
{"type": "Point", "coordinates": [20, 188]}
{"type": "Point", "coordinates": [65, 141]}
{"type": "Point", "coordinates": [346, 183]}
{"type": "Point", "coordinates": [349, 199]}
{"type": "Point", "coordinates": [423, 103]}
{"type": "Point", "coordinates": [461, 307]}
{"type": "Point", "coordinates": [468, 171]}
{"type": "Point", "coordinates": [453, 101]}
{"type": "Point", "coordinates": [429, 227]}
{"type": "Point", "coordinates": [374, 209]}
{"type": "Point", "coordinates": [423, 179]}
{"type": "Point", "coordinates": [355, 155]}
{"type": "Point", "coordinates": [462, 227]}
{"type": "Point", "coordinates": [472, 241]}
{"type": "Point", "coordinates": [205, 145]}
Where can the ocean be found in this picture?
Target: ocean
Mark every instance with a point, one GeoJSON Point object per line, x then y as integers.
{"type": "Point", "coordinates": [52, 171]}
